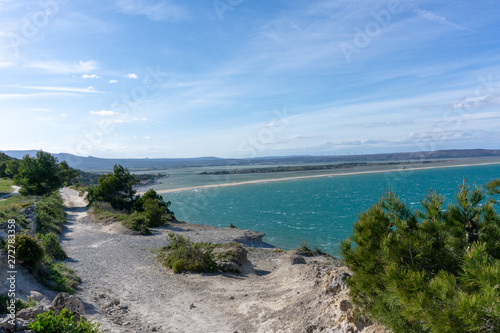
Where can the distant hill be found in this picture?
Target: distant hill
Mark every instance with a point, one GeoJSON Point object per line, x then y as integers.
{"type": "Point", "coordinates": [95, 163]}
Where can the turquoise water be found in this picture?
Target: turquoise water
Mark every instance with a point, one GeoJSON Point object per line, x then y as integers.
{"type": "Point", "coordinates": [318, 211]}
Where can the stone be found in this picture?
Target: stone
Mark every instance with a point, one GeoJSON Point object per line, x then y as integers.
{"type": "Point", "coordinates": [338, 283]}
{"type": "Point", "coordinates": [230, 258]}
{"type": "Point", "coordinates": [296, 260]}
{"type": "Point", "coordinates": [7, 324]}
{"type": "Point", "coordinates": [70, 302]}
{"type": "Point", "coordinates": [345, 305]}
{"type": "Point", "coordinates": [30, 313]}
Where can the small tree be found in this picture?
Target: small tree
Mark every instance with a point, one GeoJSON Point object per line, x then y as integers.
{"type": "Point", "coordinates": [153, 204]}
{"type": "Point", "coordinates": [38, 175]}
{"type": "Point", "coordinates": [432, 270]}
{"type": "Point", "coordinates": [68, 174]}
{"type": "Point", "coordinates": [116, 188]}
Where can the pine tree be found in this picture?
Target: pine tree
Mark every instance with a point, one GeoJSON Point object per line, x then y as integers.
{"type": "Point", "coordinates": [430, 270]}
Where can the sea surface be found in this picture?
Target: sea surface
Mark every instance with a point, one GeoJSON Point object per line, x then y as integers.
{"type": "Point", "coordinates": [317, 211]}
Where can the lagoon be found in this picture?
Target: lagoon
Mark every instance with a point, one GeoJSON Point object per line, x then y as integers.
{"type": "Point", "coordinates": [319, 211]}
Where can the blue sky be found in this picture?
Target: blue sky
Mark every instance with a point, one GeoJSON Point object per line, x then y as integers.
{"type": "Point", "coordinates": [231, 78]}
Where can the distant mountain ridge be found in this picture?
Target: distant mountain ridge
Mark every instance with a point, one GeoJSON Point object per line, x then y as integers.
{"type": "Point", "coordinates": [96, 163]}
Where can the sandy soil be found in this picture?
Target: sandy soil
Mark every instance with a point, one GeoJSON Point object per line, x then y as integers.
{"type": "Point", "coordinates": [126, 289]}
{"type": "Point", "coordinates": [336, 173]}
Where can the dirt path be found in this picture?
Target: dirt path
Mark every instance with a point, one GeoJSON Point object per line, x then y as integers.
{"type": "Point", "coordinates": [127, 290]}
{"type": "Point", "coordinates": [15, 191]}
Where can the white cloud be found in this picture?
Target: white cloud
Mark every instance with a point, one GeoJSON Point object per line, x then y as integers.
{"type": "Point", "coordinates": [132, 76]}
{"type": "Point", "coordinates": [105, 113]}
{"type": "Point", "coordinates": [439, 19]}
{"type": "Point", "coordinates": [41, 109]}
{"type": "Point", "coordinates": [91, 76]}
{"type": "Point", "coordinates": [66, 89]}
{"type": "Point", "coordinates": [4, 64]}
{"type": "Point", "coordinates": [160, 11]}
{"type": "Point", "coordinates": [62, 67]}
{"type": "Point", "coordinates": [37, 95]}
{"type": "Point", "coordinates": [113, 81]}
{"type": "Point", "coordinates": [44, 119]}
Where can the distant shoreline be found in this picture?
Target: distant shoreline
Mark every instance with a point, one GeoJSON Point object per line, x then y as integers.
{"type": "Point", "coordinates": [339, 173]}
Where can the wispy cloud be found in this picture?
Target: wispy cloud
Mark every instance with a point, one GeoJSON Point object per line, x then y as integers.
{"type": "Point", "coordinates": [91, 76]}
{"type": "Point", "coordinates": [113, 81]}
{"type": "Point", "coordinates": [62, 67]}
{"type": "Point", "coordinates": [132, 76]}
{"type": "Point", "coordinates": [66, 89]}
{"type": "Point", "coordinates": [156, 11]}
{"type": "Point", "coordinates": [38, 95]}
{"type": "Point", "coordinates": [439, 19]}
{"type": "Point", "coordinates": [105, 113]}
{"type": "Point", "coordinates": [5, 64]}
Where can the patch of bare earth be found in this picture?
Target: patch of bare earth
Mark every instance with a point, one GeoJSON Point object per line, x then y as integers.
{"type": "Point", "coordinates": [126, 289]}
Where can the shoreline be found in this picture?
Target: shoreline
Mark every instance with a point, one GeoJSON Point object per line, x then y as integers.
{"type": "Point", "coordinates": [339, 173]}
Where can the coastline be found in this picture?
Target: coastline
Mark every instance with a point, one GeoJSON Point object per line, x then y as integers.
{"type": "Point", "coordinates": [330, 174]}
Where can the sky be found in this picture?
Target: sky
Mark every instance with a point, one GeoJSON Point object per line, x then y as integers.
{"type": "Point", "coordinates": [248, 78]}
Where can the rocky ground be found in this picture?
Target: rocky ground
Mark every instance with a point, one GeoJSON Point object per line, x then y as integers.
{"type": "Point", "coordinates": [126, 289]}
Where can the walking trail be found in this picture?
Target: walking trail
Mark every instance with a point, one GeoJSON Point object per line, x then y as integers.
{"type": "Point", "coordinates": [126, 289]}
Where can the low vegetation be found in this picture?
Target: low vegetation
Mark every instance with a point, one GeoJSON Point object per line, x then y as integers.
{"type": "Point", "coordinates": [62, 322]}
{"type": "Point", "coordinates": [19, 304]}
{"type": "Point", "coordinates": [50, 216]}
{"type": "Point", "coordinates": [430, 270]}
{"type": "Point", "coordinates": [183, 255]}
{"type": "Point", "coordinates": [305, 250]}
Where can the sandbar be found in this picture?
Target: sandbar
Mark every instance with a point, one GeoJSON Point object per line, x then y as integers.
{"type": "Point", "coordinates": [338, 173]}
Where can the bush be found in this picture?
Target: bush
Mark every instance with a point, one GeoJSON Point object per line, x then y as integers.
{"type": "Point", "coordinates": [183, 255]}
{"type": "Point", "coordinates": [155, 208]}
{"type": "Point", "coordinates": [432, 270]}
{"type": "Point", "coordinates": [64, 322]}
{"type": "Point", "coordinates": [50, 214]}
{"type": "Point", "coordinates": [304, 250]}
{"type": "Point", "coordinates": [153, 212]}
{"type": "Point", "coordinates": [28, 250]}
{"type": "Point", "coordinates": [136, 222]}
{"type": "Point", "coordinates": [50, 243]}
{"type": "Point", "coordinates": [57, 276]}
{"type": "Point", "coordinates": [116, 188]}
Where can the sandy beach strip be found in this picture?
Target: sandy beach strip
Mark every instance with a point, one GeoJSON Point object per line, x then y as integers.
{"type": "Point", "coordinates": [258, 181]}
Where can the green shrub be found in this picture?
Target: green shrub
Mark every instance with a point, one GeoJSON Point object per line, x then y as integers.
{"type": "Point", "coordinates": [52, 247]}
{"type": "Point", "coordinates": [430, 270]}
{"type": "Point", "coordinates": [231, 225]}
{"type": "Point", "coordinates": [28, 250]}
{"type": "Point", "coordinates": [57, 276]}
{"type": "Point", "coordinates": [50, 214]}
{"type": "Point", "coordinates": [153, 212]}
{"type": "Point", "coordinates": [19, 304]}
{"type": "Point", "coordinates": [64, 322]}
{"type": "Point", "coordinates": [304, 250]}
{"type": "Point", "coordinates": [136, 222]}
{"type": "Point", "coordinates": [183, 255]}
